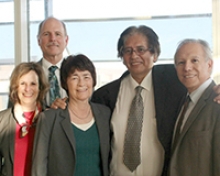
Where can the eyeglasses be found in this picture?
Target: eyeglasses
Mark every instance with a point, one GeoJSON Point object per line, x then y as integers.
{"type": "Point", "coordinates": [140, 50]}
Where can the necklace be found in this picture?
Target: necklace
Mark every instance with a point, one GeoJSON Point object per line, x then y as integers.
{"type": "Point", "coordinates": [82, 118]}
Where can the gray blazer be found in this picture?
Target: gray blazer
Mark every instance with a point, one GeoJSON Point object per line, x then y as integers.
{"type": "Point", "coordinates": [7, 141]}
{"type": "Point", "coordinates": [54, 149]}
{"type": "Point", "coordinates": [7, 135]}
{"type": "Point", "coordinates": [197, 152]}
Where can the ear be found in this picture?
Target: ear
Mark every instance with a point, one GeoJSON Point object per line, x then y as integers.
{"type": "Point", "coordinates": [155, 58]}
{"type": "Point", "coordinates": [38, 41]}
{"type": "Point", "coordinates": [210, 65]}
{"type": "Point", "coordinates": [67, 40]}
{"type": "Point", "coordinates": [123, 61]}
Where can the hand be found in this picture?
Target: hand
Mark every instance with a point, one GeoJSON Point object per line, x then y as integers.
{"type": "Point", "coordinates": [59, 103]}
{"type": "Point", "coordinates": [217, 91]}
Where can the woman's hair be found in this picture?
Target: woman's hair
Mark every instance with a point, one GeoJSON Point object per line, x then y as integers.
{"type": "Point", "coordinates": [22, 69]}
{"type": "Point", "coordinates": [76, 62]}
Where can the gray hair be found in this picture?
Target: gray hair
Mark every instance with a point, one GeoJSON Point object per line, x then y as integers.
{"type": "Point", "coordinates": [41, 24]}
{"type": "Point", "coordinates": [203, 43]}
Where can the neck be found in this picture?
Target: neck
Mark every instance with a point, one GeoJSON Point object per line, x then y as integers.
{"type": "Point", "coordinates": [28, 107]}
{"type": "Point", "coordinates": [139, 77]}
{"type": "Point", "coordinates": [79, 112]}
{"type": "Point", "coordinates": [54, 59]}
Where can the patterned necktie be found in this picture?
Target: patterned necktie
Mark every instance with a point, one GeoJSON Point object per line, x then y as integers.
{"type": "Point", "coordinates": [131, 155]}
{"type": "Point", "coordinates": [180, 121]}
{"type": "Point", "coordinates": [54, 86]}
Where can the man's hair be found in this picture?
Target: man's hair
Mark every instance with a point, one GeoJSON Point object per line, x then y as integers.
{"type": "Point", "coordinates": [151, 38]}
{"type": "Point", "coordinates": [41, 24]}
{"type": "Point", "coordinates": [203, 43]}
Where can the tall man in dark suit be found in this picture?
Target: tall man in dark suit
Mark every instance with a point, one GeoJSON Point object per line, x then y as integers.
{"type": "Point", "coordinates": [162, 92]}
{"type": "Point", "coordinates": [52, 39]}
{"type": "Point", "coordinates": [196, 142]}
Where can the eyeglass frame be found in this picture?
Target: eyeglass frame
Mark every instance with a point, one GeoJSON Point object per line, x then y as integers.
{"type": "Point", "coordinates": [135, 50]}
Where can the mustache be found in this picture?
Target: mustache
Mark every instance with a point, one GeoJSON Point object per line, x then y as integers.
{"type": "Point", "coordinates": [52, 44]}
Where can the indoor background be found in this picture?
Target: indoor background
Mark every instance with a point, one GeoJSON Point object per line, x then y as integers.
{"type": "Point", "coordinates": [95, 26]}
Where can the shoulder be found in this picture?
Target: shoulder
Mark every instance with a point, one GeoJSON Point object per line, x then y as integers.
{"type": "Point", "coordinates": [100, 107]}
{"type": "Point", "coordinates": [50, 114]}
{"type": "Point", "coordinates": [40, 62]}
{"type": "Point", "coordinates": [111, 86]}
{"type": "Point", "coordinates": [5, 113]}
{"type": "Point", "coordinates": [170, 68]}
{"type": "Point", "coordinates": [165, 73]}
{"type": "Point", "coordinates": [115, 82]}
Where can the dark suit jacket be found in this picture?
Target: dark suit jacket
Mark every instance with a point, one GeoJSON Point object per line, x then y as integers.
{"type": "Point", "coordinates": [197, 152]}
{"type": "Point", "coordinates": [168, 95]}
{"type": "Point", "coordinates": [54, 150]}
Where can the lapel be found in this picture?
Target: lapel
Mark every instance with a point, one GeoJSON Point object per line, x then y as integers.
{"type": "Point", "coordinates": [100, 122]}
{"type": "Point", "coordinates": [67, 127]}
{"type": "Point", "coordinates": [12, 134]}
{"type": "Point", "coordinates": [40, 62]}
{"type": "Point", "coordinates": [196, 111]}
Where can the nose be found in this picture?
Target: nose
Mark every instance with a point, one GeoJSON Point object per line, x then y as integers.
{"type": "Point", "coordinates": [81, 82]}
{"type": "Point", "coordinates": [188, 66]}
{"type": "Point", "coordinates": [52, 37]}
{"type": "Point", "coordinates": [27, 87]}
{"type": "Point", "coordinates": [134, 53]}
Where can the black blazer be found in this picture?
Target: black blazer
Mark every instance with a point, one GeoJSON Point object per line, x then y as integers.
{"type": "Point", "coordinates": [168, 95]}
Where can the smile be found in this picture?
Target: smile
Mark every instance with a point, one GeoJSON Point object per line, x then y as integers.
{"type": "Point", "coordinates": [189, 76]}
{"type": "Point", "coordinates": [135, 63]}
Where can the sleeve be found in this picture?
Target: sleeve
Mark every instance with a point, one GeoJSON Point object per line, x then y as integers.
{"type": "Point", "coordinates": [41, 146]}
{"type": "Point", "coordinates": [216, 147]}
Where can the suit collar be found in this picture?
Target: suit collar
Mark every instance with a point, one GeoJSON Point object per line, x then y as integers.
{"type": "Point", "coordinates": [202, 102]}
{"type": "Point", "coordinates": [12, 126]}
{"type": "Point", "coordinates": [67, 127]}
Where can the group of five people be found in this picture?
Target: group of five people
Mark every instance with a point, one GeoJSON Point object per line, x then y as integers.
{"type": "Point", "coordinates": [83, 131]}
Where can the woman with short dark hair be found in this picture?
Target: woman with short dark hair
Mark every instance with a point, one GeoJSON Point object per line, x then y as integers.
{"type": "Point", "coordinates": [76, 140]}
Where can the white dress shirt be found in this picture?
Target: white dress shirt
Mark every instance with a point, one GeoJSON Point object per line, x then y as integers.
{"type": "Point", "coordinates": [152, 152]}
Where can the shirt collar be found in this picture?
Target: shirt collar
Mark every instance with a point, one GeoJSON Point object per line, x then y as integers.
{"type": "Point", "coordinates": [47, 64]}
{"type": "Point", "coordinates": [146, 83]}
{"type": "Point", "coordinates": [196, 94]}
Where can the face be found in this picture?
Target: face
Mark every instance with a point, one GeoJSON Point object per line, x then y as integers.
{"type": "Point", "coordinates": [80, 85]}
{"type": "Point", "coordinates": [138, 64]}
{"type": "Point", "coordinates": [28, 89]}
{"type": "Point", "coordinates": [52, 39]}
{"type": "Point", "coordinates": [192, 67]}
